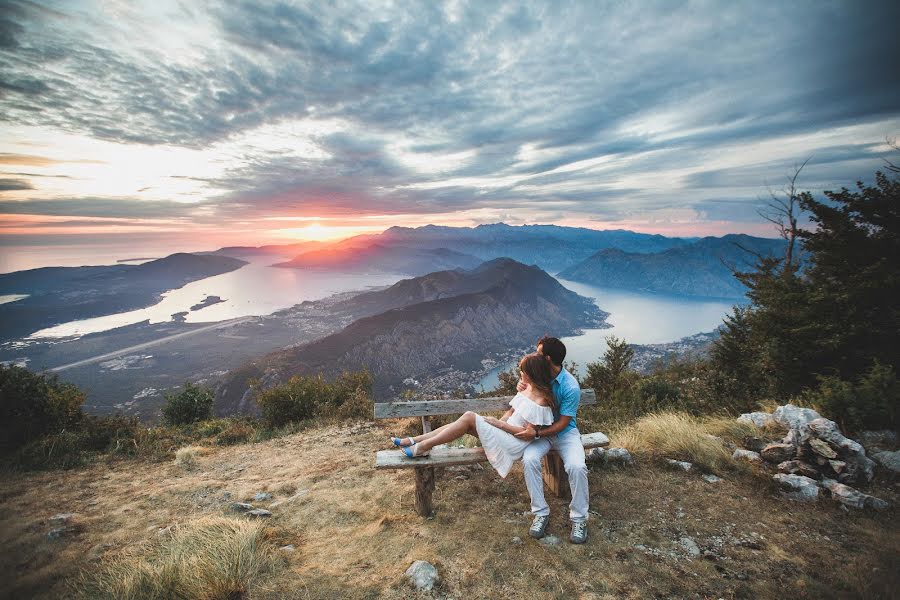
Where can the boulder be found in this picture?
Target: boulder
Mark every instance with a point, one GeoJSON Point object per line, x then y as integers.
{"type": "Point", "coordinates": [241, 506]}
{"type": "Point", "coordinates": [859, 466]}
{"type": "Point", "coordinates": [423, 575]}
{"type": "Point", "coordinates": [837, 466]}
{"type": "Point", "coordinates": [760, 419]}
{"type": "Point", "coordinates": [853, 498]}
{"type": "Point", "coordinates": [878, 439]}
{"type": "Point", "coordinates": [778, 453]}
{"type": "Point", "coordinates": [611, 455]}
{"type": "Point", "coordinates": [259, 513]}
{"type": "Point", "coordinates": [799, 488]}
{"type": "Point", "coordinates": [888, 460]}
{"type": "Point", "coordinates": [689, 546]}
{"type": "Point", "coordinates": [680, 464]}
{"type": "Point", "coordinates": [798, 467]}
{"type": "Point", "coordinates": [822, 448]}
{"type": "Point", "coordinates": [754, 443]}
{"type": "Point", "coordinates": [748, 455]}
{"type": "Point", "coordinates": [710, 478]}
{"type": "Point", "coordinates": [262, 496]}
{"type": "Point", "coordinates": [793, 417]}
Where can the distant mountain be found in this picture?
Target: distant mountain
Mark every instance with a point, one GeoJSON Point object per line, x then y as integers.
{"type": "Point", "coordinates": [378, 257]}
{"type": "Point", "coordinates": [276, 250]}
{"type": "Point", "coordinates": [62, 294]}
{"type": "Point", "coordinates": [697, 269]}
{"type": "Point", "coordinates": [461, 318]}
{"type": "Point", "coordinates": [551, 247]}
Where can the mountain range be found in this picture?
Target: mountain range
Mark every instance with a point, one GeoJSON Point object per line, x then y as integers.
{"type": "Point", "coordinates": [701, 268]}
{"type": "Point", "coordinates": [444, 319]}
{"type": "Point", "coordinates": [379, 257]}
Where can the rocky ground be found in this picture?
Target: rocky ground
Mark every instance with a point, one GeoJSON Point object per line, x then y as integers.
{"type": "Point", "coordinates": [345, 530]}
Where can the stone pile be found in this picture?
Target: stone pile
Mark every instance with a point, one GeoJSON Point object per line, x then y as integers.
{"type": "Point", "coordinates": [814, 456]}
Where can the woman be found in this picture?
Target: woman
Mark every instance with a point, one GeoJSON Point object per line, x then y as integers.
{"type": "Point", "coordinates": [530, 408]}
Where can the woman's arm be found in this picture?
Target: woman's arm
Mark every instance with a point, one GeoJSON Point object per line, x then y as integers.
{"type": "Point", "coordinates": [506, 415]}
{"type": "Point", "coordinates": [513, 429]}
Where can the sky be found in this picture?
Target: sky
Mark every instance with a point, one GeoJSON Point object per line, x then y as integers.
{"type": "Point", "coordinates": [191, 125]}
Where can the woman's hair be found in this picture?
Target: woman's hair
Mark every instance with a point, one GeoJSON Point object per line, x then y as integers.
{"type": "Point", "coordinates": [537, 368]}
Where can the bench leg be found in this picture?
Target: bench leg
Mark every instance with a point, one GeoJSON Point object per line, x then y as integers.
{"type": "Point", "coordinates": [424, 488]}
{"type": "Point", "coordinates": [555, 477]}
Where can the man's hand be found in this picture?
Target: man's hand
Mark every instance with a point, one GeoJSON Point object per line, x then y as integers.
{"type": "Point", "coordinates": [521, 386]}
{"type": "Point", "coordinates": [527, 435]}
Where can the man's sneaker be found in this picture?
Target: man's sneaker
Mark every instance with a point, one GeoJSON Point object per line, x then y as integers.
{"type": "Point", "coordinates": [539, 526]}
{"type": "Point", "coordinates": [579, 532]}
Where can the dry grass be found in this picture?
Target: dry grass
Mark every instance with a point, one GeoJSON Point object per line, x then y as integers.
{"type": "Point", "coordinates": [211, 558]}
{"type": "Point", "coordinates": [675, 435]}
{"type": "Point", "coordinates": [356, 532]}
{"type": "Point", "coordinates": [186, 457]}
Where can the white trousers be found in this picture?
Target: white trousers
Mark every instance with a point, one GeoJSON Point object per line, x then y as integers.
{"type": "Point", "coordinates": [568, 445]}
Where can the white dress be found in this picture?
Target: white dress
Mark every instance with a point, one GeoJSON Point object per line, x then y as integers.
{"type": "Point", "coordinates": [502, 448]}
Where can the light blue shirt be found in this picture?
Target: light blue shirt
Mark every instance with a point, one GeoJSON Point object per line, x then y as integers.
{"type": "Point", "coordinates": [567, 393]}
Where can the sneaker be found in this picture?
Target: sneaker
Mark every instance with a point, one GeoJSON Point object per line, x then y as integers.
{"type": "Point", "coordinates": [579, 533]}
{"type": "Point", "coordinates": [539, 526]}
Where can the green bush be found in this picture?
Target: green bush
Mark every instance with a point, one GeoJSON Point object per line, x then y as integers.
{"type": "Point", "coordinates": [306, 397]}
{"type": "Point", "coordinates": [33, 405]}
{"type": "Point", "coordinates": [870, 403]}
{"type": "Point", "coordinates": [190, 405]}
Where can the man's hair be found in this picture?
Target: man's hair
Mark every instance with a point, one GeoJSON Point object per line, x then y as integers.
{"type": "Point", "coordinates": [554, 348]}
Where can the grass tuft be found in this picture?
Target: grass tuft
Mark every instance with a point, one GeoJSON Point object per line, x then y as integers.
{"type": "Point", "coordinates": [675, 435]}
{"type": "Point", "coordinates": [213, 558]}
{"type": "Point", "coordinates": [186, 457]}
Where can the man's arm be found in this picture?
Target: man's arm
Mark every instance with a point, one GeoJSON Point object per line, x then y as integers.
{"type": "Point", "coordinates": [559, 425]}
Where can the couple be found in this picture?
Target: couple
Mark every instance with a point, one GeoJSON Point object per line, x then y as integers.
{"type": "Point", "coordinates": [541, 416]}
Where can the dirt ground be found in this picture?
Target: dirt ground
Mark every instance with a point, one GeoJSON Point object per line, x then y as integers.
{"type": "Point", "coordinates": [355, 531]}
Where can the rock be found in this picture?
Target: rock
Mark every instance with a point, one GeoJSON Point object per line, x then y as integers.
{"type": "Point", "coordinates": [878, 439]}
{"type": "Point", "coordinates": [689, 546]}
{"type": "Point", "coordinates": [611, 455]}
{"type": "Point", "coordinates": [793, 417]}
{"type": "Point", "coordinates": [710, 478]}
{"type": "Point", "coordinates": [259, 513]}
{"type": "Point", "coordinates": [778, 453]}
{"type": "Point", "coordinates": [550, 540]}
{"type": "Point", "coordinates": [748, 455]}
{"type": "Point", "coordinates": [423, 575]}
{"type": "Point", "coordinates": [859, 466]}
{"type": "Point", "coordinates": [754, 443]}
{"type": "Point", "coordinates": [517, 541]}
{"type": "Point", "coordinates": [888, 460]}
{"type": "Point", "coordinates": [821, 448]}
{"type": "Point", "coordinates": [851, 497]}
{"type": "Point", "coordinates": [241, 506]}
{"type": "Point", "coordinates": [288, 548]}
{"type": "Point", "coordinates": [680, 464]}
{"type": "Point", "coordinates": [798, 467]}
{"type": "Point", "coordinates": [792, 438]}
{"type": "Point", "coordinates": [837, 466]}
{"type": "Point", "coordinates": [58, 532]}
{"type": "Point", "coordinates": [298, 494]}
{"type": "Point", "coordinates": [801, 489]}
{"type": "Point", "coordinates": [760, 419]}
{"type": "Point", "coordinates": [262, 496]}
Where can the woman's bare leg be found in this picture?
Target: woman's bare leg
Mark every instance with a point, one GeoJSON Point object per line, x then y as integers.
{"type": "Point", "coordinates": [430, 434]}
{"type": "Point", "coordinates": [455, 430]}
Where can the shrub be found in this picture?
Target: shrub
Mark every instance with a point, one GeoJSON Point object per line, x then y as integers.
{"type": "Point", "coordinates": [871, 403]}
{"type": "Point", "coordinates": [212, 557]}
{"type": "Point", "coordinates": [186, 457]}
{"type": "Point", "coordinates": [33, 405]}
{"type": "Point", "coordinates": [306, 397]}
{"type": "Point", "coordinates": [193, 403]}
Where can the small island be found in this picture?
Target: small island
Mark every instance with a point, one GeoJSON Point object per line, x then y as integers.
{"type": "Point", "coordinates": [208, 301]}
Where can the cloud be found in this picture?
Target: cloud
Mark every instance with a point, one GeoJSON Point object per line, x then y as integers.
{"type": "Point", "coordinates": [7, 185]}
{"type": "Point", "coordinates": [591, 110]}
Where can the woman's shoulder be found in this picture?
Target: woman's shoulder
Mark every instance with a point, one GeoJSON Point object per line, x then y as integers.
{"type": "Point", "coordinates": [538, 401]}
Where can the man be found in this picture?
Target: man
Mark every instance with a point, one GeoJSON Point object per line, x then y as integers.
{"type": "Point", "coordinates": [562, 436]}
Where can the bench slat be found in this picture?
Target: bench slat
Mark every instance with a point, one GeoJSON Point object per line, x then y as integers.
{"type": "Point", "coordinates": [421, 408]}
{"type": "Point", "coordinates": [442, 456]}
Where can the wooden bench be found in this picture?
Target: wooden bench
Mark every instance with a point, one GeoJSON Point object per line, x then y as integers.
{"type": "Point", "coordinates": [442, 456]}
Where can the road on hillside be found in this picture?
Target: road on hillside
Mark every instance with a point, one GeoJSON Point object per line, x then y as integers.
{"type": "Point", "coordinates": [150, 344]}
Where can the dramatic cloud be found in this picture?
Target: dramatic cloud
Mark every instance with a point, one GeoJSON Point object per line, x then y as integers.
{"type": "Point", "coordinates": [664, 116]}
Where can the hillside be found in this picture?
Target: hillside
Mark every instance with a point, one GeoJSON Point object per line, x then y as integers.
{"type": "Point", "coordinates": [353, 530]}
{"type": "Point", "coordinates": [697, 269]}
{"type": "Point", "coordinates": [62, 294]}
{"type": "Point", "coordinates": [378, 257]}
{"type": "Point", "coordinates": [501, 304]}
